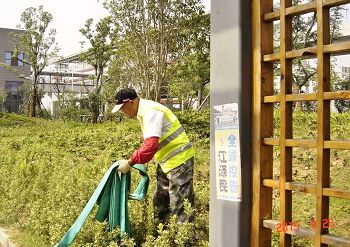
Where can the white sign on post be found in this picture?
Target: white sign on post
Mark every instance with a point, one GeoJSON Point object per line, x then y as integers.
{"type": "Point", "coordinates": [227, 152]}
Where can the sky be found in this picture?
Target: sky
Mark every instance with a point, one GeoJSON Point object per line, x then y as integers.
{"type": "Point", "coordinates": [68, 17]}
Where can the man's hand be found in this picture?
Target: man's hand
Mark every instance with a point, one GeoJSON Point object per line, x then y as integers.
{"type": "Point", "coordinates": [124, 166]}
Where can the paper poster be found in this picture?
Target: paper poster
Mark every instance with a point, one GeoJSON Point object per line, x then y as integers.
{"type": "Point", "coordinates": [227, 152]}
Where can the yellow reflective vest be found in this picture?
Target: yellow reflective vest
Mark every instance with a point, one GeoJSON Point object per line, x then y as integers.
{"type": "Point", "coordinates": [174, 146]}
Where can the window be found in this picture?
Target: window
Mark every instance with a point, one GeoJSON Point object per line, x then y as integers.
{"type": "Point", "coordinates": [8, 58]}
{"type": "Point", "coordinates": [14, 61]}
{"type": "Point", "coordinates": [345, 71]}
{"type": "Point", "coordinates": [20, 59]}
{"type": "Point", "coordinates": [346, 14]}
{"type": "Point", "coordinates": [13, 98]}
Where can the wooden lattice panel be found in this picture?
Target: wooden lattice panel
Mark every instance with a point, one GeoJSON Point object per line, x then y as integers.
{"type": "Point", "coordinates": [263, 105]}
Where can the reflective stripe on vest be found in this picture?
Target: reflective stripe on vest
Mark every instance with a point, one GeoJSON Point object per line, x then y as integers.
{"type": "Point", "coordinates": [175, 147]}
{"type": "Point", "coordinates": [171, 137]}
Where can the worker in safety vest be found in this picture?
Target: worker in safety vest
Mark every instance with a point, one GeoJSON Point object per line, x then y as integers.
{"type": "Point", "coordinates": [165, 140]}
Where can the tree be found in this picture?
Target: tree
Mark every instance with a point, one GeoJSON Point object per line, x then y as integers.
{"type": "Point", "coordinates": [3, 96]}
{"type": "Point", "coordinates": [342, 85]}
{"type": "Point", "coordinates": [102, 50]}
{"type": "Point", "coordinates": [38, 44]}
{"type": "Point", "coordinates": [151, 37]}
{"type": "Point", "coordinates": [304, 36]}
{"type": "Point", "coordinates": [190, 74]}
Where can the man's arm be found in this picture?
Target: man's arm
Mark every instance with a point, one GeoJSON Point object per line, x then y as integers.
{"type": "Point", "coordinates": [146, 152]}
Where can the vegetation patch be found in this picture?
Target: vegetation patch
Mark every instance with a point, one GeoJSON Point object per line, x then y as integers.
{"type": "Point", "coordinates": [305, 171]}
{"type": "Point", "coordinates": [50, 169]}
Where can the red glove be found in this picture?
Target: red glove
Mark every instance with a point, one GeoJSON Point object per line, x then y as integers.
{"type": "Point", "coordinates": [146, 152]}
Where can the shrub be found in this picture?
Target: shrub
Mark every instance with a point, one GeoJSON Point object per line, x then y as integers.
{"type": "Point", "coordinates": [51, 168]}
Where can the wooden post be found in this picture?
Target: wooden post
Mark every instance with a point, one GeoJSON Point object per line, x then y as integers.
{"type": "Point", "coordinates": [262, 124]}
{"type": "Point", "coordinates": [323, 121]}
{"type": "Point", "coordinates": [286, 121]}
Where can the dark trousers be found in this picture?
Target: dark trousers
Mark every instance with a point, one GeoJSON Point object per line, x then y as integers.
{"type": "Point", "coordinates": [171, 191]}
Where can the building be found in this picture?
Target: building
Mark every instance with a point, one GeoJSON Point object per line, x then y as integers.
{"type": "Point", "coordinates": [10, 82]}
{"type": "Point", "coordinates": [66, 75]}
{"type": "Point", "coordinates": [342, 66]}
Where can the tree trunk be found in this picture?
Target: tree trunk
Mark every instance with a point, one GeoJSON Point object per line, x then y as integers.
{"type": "Point", "coordinates": [95, 113]}
{"type": "Point", "coordinates": [296, 90]}
{"type": "Point", "coordinates": [200, 92]}
{"type": "Point", "coordinates": [32, 103]}
{"type": "Point", "coordinates": [95, 107]}
{"type": "Point", "coordinates": [161, 63]}
{"type": "Point", "coordinates": [146, 23]}
{"type": "Point", "coordinates": [96, 95]}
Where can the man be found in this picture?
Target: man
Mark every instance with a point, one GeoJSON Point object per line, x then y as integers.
{"type": "Point", "coordinates": [166, 141]}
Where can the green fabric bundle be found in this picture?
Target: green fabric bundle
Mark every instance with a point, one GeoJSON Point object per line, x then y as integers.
{"type": "Point", "coordinates": [112, 196]}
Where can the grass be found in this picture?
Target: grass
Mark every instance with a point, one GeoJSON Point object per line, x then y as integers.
{"type": "Point", "coordinates": [304, 170]}
{"type": "Point", "coordinates": [51, 169]}
{"type": "Point", "coordinates": [86, 145]}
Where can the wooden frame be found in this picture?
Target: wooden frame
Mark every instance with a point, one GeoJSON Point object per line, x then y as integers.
{"type": "Point", "coordinates": [263, 101]}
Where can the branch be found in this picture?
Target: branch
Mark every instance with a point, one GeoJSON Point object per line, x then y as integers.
{"type": "Point", "coordinates": [310, 29]}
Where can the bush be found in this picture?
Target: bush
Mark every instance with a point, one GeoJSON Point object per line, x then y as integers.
{"type": "Point", "coordinates": [196, 123]}
{"type": "Point", "coordinates": [51, 168]}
